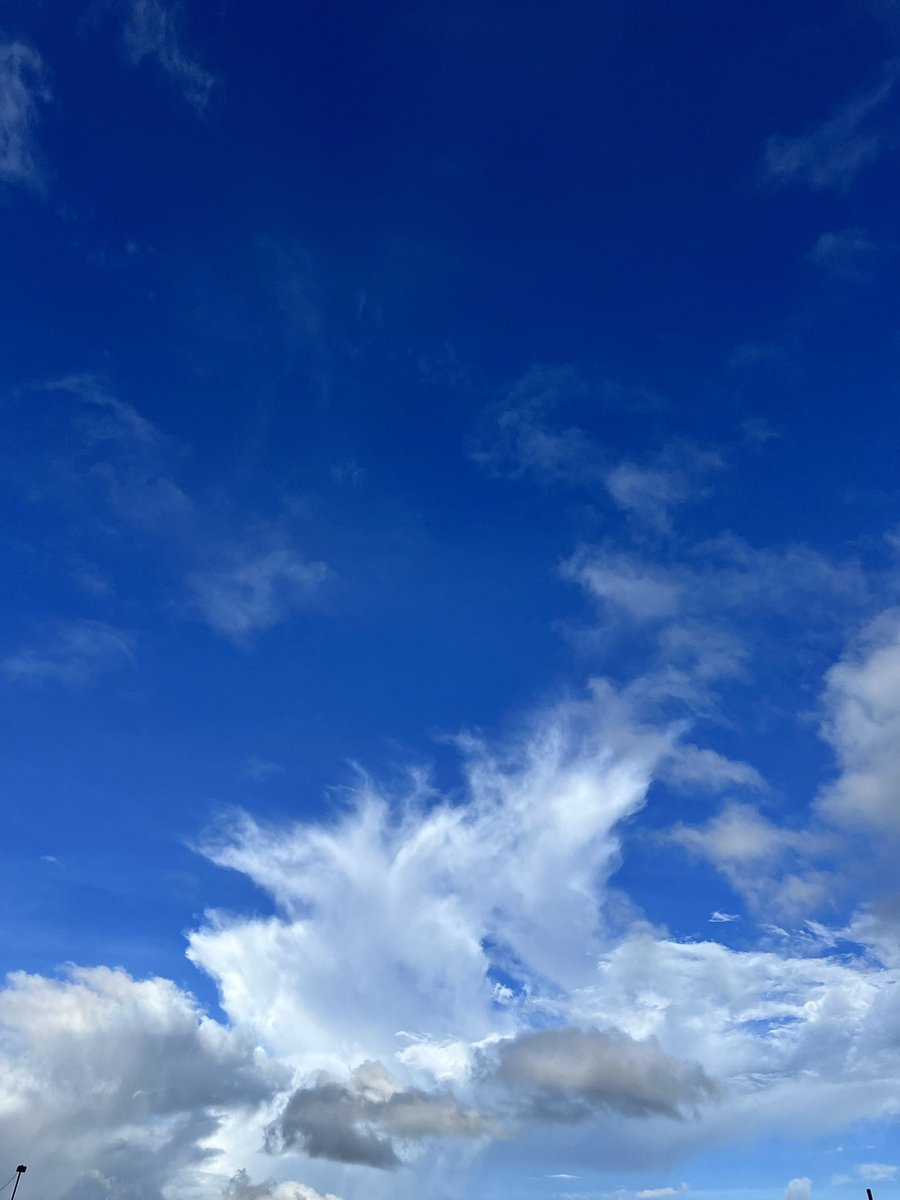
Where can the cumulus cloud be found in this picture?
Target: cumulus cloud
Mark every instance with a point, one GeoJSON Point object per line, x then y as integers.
{"type": "Point", "coordinates": [415, 891]}
{"type": "Point", "coordinates": [116, 1083]}
{"type": "Point", "coordinates": [253, 589]}
{"type": "Point", "coordinates": [73, 653]}
{"type": "Point", "coordinates": [153, 30]}
{"type": "Point", "coordinates": [23, 89]}
{"type": "Point", "coordinates": [524, 436]}
{"type": "Point", "coordinates": [569, 1075]}
{"type": "Point", "coordinates": [237, 575]}
{"type": "Point", "coordinates": [773, 866]}
{"type": "Point", "coordinates": [367, 1119]}
{"type": "Point", "coordinates": [832, 154]}
{"type": "Point", "coordinates": [798, 1189]}
{"type": "Point", "coordinates": [862, 725]}
{"type": "Point", "coordinates": [876, 1172]}
{"type": "Point", "coordinates": [241, 1187]}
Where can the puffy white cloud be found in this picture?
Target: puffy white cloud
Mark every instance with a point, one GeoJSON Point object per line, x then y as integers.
{"type": "Point", "coordinates": [114, 1085]}
{"type": "Point", "coordinates": [798, 1189]}
{"type": "Point", "coordinates": [773, 866]}
{"type": "Point", "coordinates": [22, 90]}
{"type": "Point", "coordinates": [862, 724]}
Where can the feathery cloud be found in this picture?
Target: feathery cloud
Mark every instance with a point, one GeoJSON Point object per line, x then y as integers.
{"type": "Point", "coordinates": [23, 88]}
{"type": "Point", "coordinates": [832, 154]}
{"type": "Point", "coordinates": [152, 30]}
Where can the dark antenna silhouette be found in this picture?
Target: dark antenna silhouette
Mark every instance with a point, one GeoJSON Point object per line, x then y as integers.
{"type": "Point", "coordinates": [868, 1194]}
{"type": "Point", "coordinates": [20, 1171]}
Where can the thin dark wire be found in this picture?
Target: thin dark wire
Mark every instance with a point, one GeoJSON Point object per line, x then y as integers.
{"type": "Point", "coordinates": [8, 1182]}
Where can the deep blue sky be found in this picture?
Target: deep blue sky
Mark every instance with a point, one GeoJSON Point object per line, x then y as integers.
{"type": "Point", "coordinates": [450, 391]}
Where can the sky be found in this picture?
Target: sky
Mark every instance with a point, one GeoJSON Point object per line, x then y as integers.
{"type": "Point", "coordinates": [449, 620]}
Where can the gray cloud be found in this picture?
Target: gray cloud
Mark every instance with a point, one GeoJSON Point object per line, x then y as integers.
{"type": "Point", "coordinates": [568, 1075]}
{"type": "Point", "coordinates": [362, 1121]}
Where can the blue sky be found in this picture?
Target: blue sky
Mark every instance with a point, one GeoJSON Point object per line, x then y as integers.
{"type": "Point", "coordinates": [450, 662]}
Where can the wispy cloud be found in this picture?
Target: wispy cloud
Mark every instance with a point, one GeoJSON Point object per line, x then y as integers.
{"type": "Point", "coordinates": [722, 918]}
{"type": "Point", "coordinates": [260, 769]}
{"type": "Point", "coordinates": [254, 589]}
{"type": "Point", "coordinates": [524, 436]}
{"type": "Point", "coordinates": [240, 1187]}
{"type": "Point", "coordinates": [73, 653]}
{"type": "Point", "coordinates": [153, 30]}
{"type": "Point", "coordinates": [798, 1189]}
{"type": "Point", "coordinates": [136, 1054]}
{"type": "Point", "coordinates": [23, 88]}
{"type": "Point", "coordinates": [848, 254]}
{"type": "Point", "coordinates": [832, 154]}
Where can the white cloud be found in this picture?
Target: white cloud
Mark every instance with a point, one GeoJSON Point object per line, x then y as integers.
{"type": "Point", "coordinates": [700, 617]}
{"type": "Point", "coordinates": [431, 898]}
{"type": "Point", "coordinates": [875, 1172]}
{"type": "Point", "coordinates": [660, 1193]}
{"type": "Point", "coordinates": [832, 154]}
{"type": "Point", "coordinates": [22, 90]}
{"type": "Point", "coordinates": [125, 454]}
{"type": "Point", "coordinates": [115, 1084]}
{"type": "Point", "coordinates": [722, 918]}
{"type": "Point", "coordinates": [772, 866]}
{"type": "Point", "coordinates": [862, 725]}
{"type": "Point", "coordinates": [255, 589]}
{"type": "Point", "coordinates": [73, 653]}
{"type": "Point", "coordinates": [240, 1187]}
{"type": "Point", "coordinates": [798, 1189]}
{"type": "Point", "coordinates": [517, 996]}
{"type": "Point", "coordinates": [152, 30]}
{"type": "Point", "coordinates": [638, 589]}
{"type": "Point", "coordinates": [260, 769]}
{"type": "Point", "coordinates": [650, 492]}
{"type": "Point", "coordinates": [522, 436]}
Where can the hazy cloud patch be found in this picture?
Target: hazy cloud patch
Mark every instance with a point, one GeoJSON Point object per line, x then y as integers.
{"type": "Point", "coordinates": [23, 88]}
